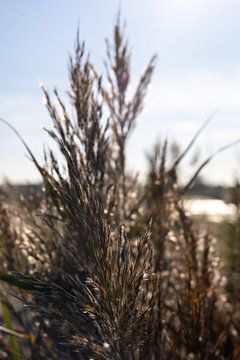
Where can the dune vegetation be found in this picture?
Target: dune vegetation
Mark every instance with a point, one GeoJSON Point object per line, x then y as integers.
{"type": "Point", "coordinates": [98, 265]}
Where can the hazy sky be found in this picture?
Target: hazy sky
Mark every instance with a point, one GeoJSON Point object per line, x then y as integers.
{"type": "Point", "coordinates": [198, 71]}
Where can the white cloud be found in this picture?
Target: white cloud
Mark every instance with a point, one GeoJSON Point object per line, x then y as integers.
{"type": "Point", "coordinates": [174, 106]}
{"type": "Point", "coordinates": [194, 93]}
{"type": "Point", "coordinates": [26, 113]}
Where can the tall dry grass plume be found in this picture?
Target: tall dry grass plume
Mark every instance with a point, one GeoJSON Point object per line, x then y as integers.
{"type": "Point", "coordinates": [109, 267]}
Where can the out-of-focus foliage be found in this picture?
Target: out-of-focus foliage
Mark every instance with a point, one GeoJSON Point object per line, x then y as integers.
{"type": "Point", "coordinates": [110, 268]}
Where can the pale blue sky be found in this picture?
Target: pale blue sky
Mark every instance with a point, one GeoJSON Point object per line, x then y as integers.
{"type": "Point", "coordinates": [198, 71]}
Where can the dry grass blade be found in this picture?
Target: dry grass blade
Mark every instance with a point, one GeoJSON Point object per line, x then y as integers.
{"type": "Point", "coordinates": [205, 162]}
